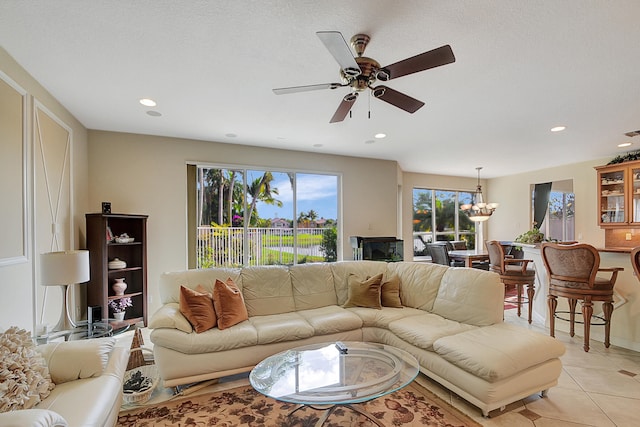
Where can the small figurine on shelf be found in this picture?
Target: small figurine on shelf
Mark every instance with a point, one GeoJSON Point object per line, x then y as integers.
{"type": "Point", "coordinates": [119, 306]}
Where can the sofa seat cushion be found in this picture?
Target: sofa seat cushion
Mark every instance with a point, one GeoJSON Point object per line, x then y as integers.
{"type": "Point", "coordinates": [498, 351]}
{"type": "Point", "coordinates": [243, 334]}
{"type": "Point", "coordinates": [331, 319]}
{"type": "Point", "coordinates": [422, 331]}
{"type": "Point", "coordinates": [281, 327]}
{"type": "Point", "coordinates": [382, 318]}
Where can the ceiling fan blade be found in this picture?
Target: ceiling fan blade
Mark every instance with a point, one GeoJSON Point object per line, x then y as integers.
{"type": "Point", "coordinates": [431, 59]}
{"type": "Point", "coordinates": [295, 89]}
{"type": "Point", "coordinates": [397, 99]}
{"type": "Point", "coordinates": [338, 47]}
{"type": "Point", "coordinates": [344, 107]}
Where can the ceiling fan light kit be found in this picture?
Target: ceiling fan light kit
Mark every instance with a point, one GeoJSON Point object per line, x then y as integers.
{"type": "Point", "coordinates": [360, 72]}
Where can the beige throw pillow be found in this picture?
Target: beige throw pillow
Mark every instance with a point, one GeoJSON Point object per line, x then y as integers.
{"type": "Point", "coordinates": [390, 294]}
{"type": "Point", "coordinates": [364, 293]}
{"type": "Point", "coordinates": [197, 307]}
{"type": "Point", "coordinates": [229, 304]}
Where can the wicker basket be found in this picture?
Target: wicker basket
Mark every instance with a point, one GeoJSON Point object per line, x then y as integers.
{"type": "Point", "coordinates": [149, 371]}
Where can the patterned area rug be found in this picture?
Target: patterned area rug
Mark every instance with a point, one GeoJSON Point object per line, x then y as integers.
{"type": "Point", "coordinates": [243, 406]}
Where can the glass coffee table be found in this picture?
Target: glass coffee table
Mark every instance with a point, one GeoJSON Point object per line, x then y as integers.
{"type": "Point", "coordinates": [329, 375]}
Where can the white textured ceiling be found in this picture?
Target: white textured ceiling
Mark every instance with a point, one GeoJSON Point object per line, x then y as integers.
{"type": "Point", "coordinates": [521, 67]}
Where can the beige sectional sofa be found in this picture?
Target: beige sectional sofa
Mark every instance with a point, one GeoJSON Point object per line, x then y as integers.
{"type": "Point", "coordinates": [452, 322]}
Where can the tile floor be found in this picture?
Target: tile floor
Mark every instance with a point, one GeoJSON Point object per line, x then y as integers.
{"type": "Point", "coordinates": [600, 388]}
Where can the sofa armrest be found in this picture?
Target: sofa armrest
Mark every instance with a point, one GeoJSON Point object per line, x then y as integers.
{"type": "Point", "coordinates": [32, 418]}
{"type": "Point", "coordinates": [170, 316]}
{"type": "Point", "coordinates": [72, 360]}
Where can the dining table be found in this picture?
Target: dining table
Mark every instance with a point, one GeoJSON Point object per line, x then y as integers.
{"type": "Point", "coordinates": [469, 256]}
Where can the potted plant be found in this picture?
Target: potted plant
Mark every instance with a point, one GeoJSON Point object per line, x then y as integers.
{"type": "Point", "coordinates": [119, 306]}
{"type": "Point", "coordinates": [531, 237]}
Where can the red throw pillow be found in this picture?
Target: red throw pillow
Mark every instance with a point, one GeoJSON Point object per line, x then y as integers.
{"type": "Point", "coordinates": [229, 304]}
{"type": "Point", "coordinates": [198, 308]}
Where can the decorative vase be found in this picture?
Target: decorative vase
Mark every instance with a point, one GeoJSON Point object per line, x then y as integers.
{"type": "Point", "coordinates": [119, 287]}
{"type": "Point", "coordinates": [119, 316]}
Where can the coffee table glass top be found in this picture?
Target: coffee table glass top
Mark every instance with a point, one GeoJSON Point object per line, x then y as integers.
{"type": "Point", "coordinates": [324, 374]}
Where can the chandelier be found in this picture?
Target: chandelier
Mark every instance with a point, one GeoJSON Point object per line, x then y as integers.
{"type": "Point", "coordinates": [479, 211]}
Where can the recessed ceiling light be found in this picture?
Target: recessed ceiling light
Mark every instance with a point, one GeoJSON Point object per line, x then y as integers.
{"type": "Point", "coordinates": [230, 135]}
{"type": "Point", "coordinates": [154, 113]}
{"type": "Point", "coordinates": [624, 144]}
{"type": "Point", "coordinates": [317, 145]}
{"type": "Point", "coordinates": [369, 141]}
{"type": "Point", "coordinates": [558, 128]}
{"type": "Point", "coordinates": [148, 102]}
{"type": "Point", "coordinates": [380, 135]}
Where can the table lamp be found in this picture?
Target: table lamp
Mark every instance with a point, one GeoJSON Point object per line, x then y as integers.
{"type": "Point", "coordinates": [63, 269]}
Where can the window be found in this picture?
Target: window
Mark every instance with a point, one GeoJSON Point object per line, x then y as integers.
{"type": "Point", "coordinates": [437, 217]}
{"type": "Point", "coordinates": [258, 217]}
{"type": "Point", "coordinates": [559, 220]}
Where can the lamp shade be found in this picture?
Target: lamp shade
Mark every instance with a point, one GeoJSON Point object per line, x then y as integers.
{"type": "Point", "coordinates": [64, 268]}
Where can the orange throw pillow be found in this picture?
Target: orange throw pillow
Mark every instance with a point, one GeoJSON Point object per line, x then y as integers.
{"type": "Point", "coordinates": [197, 307]}
{"type": "Point", "coordinates": [229, 304]}
{"type": "Point", "coordinates": [390, 294]}
{"type": "Point", "coordinates": [364, 294]}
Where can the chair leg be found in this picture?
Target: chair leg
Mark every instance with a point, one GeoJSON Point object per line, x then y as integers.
{"type": "Point", "coordinates": [572, 315]}
{"type": "Point", "coordinates": [519, 298]}
{"type": "Point", "coordinates": [607, 308]}
{"type": "Point", "coordinates": [530, 294]}
{"type": "Point", "coordinates": [552, 302]}
{"type": "Point", "coordinates": [587, 312]}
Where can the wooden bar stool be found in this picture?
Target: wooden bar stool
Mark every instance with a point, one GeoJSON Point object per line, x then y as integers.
{"type": "Point", "coordinates": [572, 270]}
{"type": "Point", "coordinates": [513, 271]}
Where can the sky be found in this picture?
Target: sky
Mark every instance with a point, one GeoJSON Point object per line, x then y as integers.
{"type": "Point", "coordinates": [317, 192]}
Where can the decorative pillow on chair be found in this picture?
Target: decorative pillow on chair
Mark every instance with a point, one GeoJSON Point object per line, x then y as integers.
{"type": "Point", "coordinates": [390, 293]}
{"type": "Point", "coordinates": [364, 294]}
{"type": "Point", "coordinates": [229, 304]}
{"type": "Point", "coordinates": [24, 376]}
{"type": "Point", "coordinates": [197, 307]}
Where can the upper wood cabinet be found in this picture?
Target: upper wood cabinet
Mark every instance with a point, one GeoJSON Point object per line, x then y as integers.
{"type": "Point", "coordinates": [619, 195]}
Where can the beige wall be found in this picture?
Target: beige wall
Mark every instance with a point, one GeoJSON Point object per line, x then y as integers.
{"type": "Point", "coordinates": [147, 174]}
{"type": "Point", "coordinates": [19, 281]}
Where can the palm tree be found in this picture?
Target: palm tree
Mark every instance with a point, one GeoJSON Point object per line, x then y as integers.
{"type": "Point", "coordinates": [260, 190]}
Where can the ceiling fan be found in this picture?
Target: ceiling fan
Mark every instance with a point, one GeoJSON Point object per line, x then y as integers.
{"type": "Point", "coordinates": [361, 73]}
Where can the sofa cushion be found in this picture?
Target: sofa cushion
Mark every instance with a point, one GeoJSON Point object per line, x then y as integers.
{"type": "Point", "coordinates": [312, 286]}
{"type": "Point", "coordinates": [24, 376]}
{"type": "Point", "coordinates": [390, 292]}
{"type": "Point", "coordinates": [281, 327]}
{"type": "Point", "coordinates": [382, 318]}
{"type": "Point", "coordinates": [364, 293]}
{"type": "Point", "coordinates": [343, 269]}
{"type": "Point", "coordinates": [242, 335]}
{"type": "Point", "coordinates": [423, 330]}
{"type": "Point", "coordinates": [228, 304]}
{"type": "Point", "coordinates": [267, 290]}
{"type": "Point", "coordinates": [73, 360]}
{"type": "Point", "coordinates": [197, 307]}
{"type": "Point", "coordinates": [470, 296]}
{"type": "Point", "coordinates": [331, 319]}
{"type": "Point", "coordinates": [498, 351]}
{"type": "Point", "coordinates": [420, 282]}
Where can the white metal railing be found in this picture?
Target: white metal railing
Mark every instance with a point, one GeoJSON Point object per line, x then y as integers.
{"type": "Point", "coordinates": [224, 246]}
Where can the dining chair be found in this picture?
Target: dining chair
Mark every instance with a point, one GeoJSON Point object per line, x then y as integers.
{"type": "Point", "coordinates": [572, 273]}
{"type": "Point", "coordinates": [440, 255]}
{"type": "Point", "coordinates": [513, 271]}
